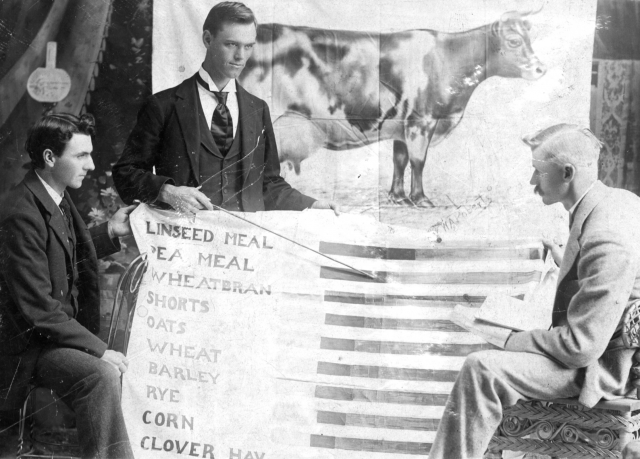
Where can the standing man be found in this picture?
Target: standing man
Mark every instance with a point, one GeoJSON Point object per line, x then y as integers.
{"type": "Point", "coordinates": [50, 305]}
{"type": "Point", "coordinates": [209, 140]}
{"type": "Point", "coordinates": [582, 354]}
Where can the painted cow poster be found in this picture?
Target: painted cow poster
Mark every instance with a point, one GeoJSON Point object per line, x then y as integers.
{"type": "Point", "coordinates": [412, 111]}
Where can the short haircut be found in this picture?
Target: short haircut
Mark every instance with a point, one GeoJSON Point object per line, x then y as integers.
{"type": "Point", "coordinates": [566, 143]}
{"type": "Point", "coordinates": [227, 12]}
{"type": "Point", "coordinates": [53, 132]}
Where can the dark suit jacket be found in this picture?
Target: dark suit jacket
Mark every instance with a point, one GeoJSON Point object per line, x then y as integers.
{"type": "Point", "coordinates": [599, 278]}
{"type": "Point", "coordinates": [35, 306]}
{"type": "Point", "coordinates": [167, 136]}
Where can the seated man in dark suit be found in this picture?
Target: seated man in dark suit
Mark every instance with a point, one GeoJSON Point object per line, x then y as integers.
{"type": "Point", "coordinates": [49, 305]}
{"type": "Point", "coordinates": [582, 354]}
{"type": "Point", "coordinates": [208, 141]}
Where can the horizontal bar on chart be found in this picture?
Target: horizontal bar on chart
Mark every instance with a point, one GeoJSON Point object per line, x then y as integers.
{"type": "Point", "coordinates": [391, 324]}
{"type": "Point", "coordinates": [467, 278]}
{"type": "Point", "coordinates": [396, 347]}
{"type": "Point", "coordinates": [380, 396]}
{"type": "Point", "coordinates": [400, 300]}
{"type": "Point", "coordinates": [444, 253]}
{"type": "Point", "coordinates": [377, 422]}
{"type": "Point", "coordinates": [404, 300]}
{"type": "Point", "coordinates": [366, 371]}
{"type": "Point", "coordinates": [373, 446]}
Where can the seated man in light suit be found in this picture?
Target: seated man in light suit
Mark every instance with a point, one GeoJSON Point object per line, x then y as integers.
{"type": "Point", "coordinates": [582, 355]}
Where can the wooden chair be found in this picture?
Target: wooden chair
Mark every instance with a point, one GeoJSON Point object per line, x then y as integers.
{"type": "Point", "coordinates": [126, 295]}
{"type": "Point", "coordinates": [63, 444]}
{"type": "Point", "coordinates": [566, 429]}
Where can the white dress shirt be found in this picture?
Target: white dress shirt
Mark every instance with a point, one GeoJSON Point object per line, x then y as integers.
{"type": "Point", "coordinates": [57, 198]}
{"type": "Point", "coordinates": [210, 101]}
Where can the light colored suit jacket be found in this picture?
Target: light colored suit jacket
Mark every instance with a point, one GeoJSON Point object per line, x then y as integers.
{"type": "Point", "coordinates": [599, 278]}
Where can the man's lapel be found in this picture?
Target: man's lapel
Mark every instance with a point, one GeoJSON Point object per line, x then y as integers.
{"type": "Point", "coordinates": [55, 219]}
{"type": "Point", "coordinates": [188, 112]}
{"type": "Point", "coordinates": [249, 123]}
{"type": "Point", "coordinates": [588, 203]}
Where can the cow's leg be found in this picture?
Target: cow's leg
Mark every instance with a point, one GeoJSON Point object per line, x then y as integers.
{"type": "Point", "coordinates": [400, 161]}
{"type": "Point", "coordinates": [418, 144]}
{"type": "Point", "coordinates": [417, 192]}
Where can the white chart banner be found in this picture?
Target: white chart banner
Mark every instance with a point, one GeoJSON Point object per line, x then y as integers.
{"type": "Point", "coordinates": [245, 345]}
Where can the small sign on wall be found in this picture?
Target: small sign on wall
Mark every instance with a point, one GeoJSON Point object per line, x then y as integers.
{"type": "Point", "coordinates": [49, 84]}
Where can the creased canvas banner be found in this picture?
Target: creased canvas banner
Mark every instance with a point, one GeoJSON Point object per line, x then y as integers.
{"type": "Point", "coordinates": [408, 110]}
{"type": "Point", "coordinates": [245, 345]}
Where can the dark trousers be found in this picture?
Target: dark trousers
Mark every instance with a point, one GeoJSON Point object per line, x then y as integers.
{"type": "Point", "coordinates": [488, 382]}
{"type": "Point", "coordinates": [91, 387]}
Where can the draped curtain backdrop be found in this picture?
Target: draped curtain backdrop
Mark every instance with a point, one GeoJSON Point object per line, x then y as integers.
{"type": "Point", "coordinates": [617, 114]}
{"type": "Point", "coordinates": [615, 103]}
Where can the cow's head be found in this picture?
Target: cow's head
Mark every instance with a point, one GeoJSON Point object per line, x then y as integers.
{"type": "Point", "coordinates": [510, 53]}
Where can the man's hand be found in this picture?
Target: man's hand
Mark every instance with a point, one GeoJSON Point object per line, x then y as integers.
{"type": "Point", "coordinates": [556, 248]}
{"type": "Point", "coordinates": [327, 205]}
{"type": "Point", "coordinates": [184, 198]}
{"type": "Point", "coordinates": [117, 359]}
{"type": "Point", "coordinates": [632, 450]}
{"type": "Point", "coordinates": [119, 224]}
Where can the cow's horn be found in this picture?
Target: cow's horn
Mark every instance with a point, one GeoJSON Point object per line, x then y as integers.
{"type": "Point", "coordinates": [510, 15]}
{"type": "Point", "coordinates": [519, 14]}
{"type": "Point", "coordinates": [532, 12]}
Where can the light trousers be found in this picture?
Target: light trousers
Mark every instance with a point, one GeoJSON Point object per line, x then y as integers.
{"type": "Point", "coordinates": [488, 382]}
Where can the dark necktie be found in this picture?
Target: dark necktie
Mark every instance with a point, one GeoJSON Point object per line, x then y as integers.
{"type": "Point", "coordinates": [221, 123]}
{"type": "Point", "coordinates": [66, 212]}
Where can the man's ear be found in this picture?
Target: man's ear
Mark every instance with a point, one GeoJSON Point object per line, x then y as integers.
{"type": "Point", "coordinates": [569, 172]}
{"type": "Point", "coordinates": [49, 157]}
{"type": "Point", "coordinates": [206, 38]}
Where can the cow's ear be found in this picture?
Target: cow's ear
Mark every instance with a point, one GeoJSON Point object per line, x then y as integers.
{"type": "Point", "coordinates": [495, 28]}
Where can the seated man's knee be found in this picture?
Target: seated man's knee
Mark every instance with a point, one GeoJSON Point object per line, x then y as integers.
{"type": "Point", "coordinates": [477, 361]}
{"type": "Point", "coordinates": [107, 374]}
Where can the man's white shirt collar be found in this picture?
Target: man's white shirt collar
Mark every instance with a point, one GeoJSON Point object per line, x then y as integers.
{"type": "Point", "coordinates": [230, 87]}
{"type": "Point", "coordinates": [53, 193]}
{"type": "Point", "coordinates": [208, 100]}
{"type": "Point", "coordinates": [573, 208]}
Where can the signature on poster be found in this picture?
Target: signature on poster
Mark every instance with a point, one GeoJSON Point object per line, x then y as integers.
{"type": "Point", "coordinates": [462, 213]}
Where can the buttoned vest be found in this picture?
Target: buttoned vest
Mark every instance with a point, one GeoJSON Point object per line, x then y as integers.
{"type": "Point", "coordinates": [221, 176]}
